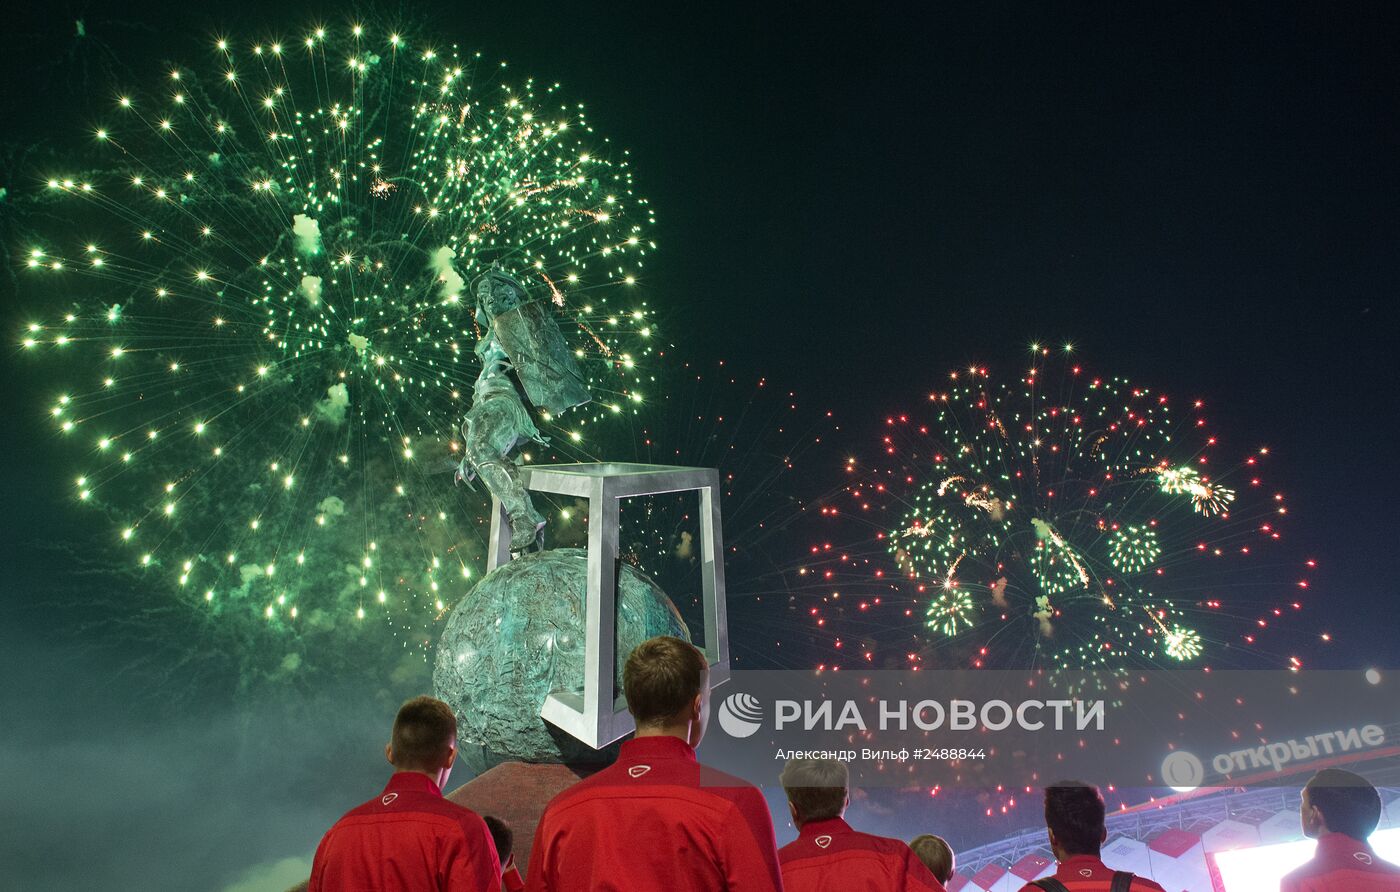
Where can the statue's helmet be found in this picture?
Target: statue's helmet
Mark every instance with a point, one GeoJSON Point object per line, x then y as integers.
{"type": "Point", "coordinates": [497, 291]}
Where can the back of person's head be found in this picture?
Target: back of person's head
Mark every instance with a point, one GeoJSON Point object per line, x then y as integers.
{"type": "Point", "coordinates": [1347, 801]}
{"type": "Point", "coordinates": [425, 734]}
{"type": "Point", "coordinates": [502, 836]}
{"type": "Point", "coordinates": [661, 678]}
{"type": "Point", "coordinates": [936, 854]}
{"type": "Point", "coordinates": [1074, 812]}
{"type": "Point", "coordinates": [816, 788]}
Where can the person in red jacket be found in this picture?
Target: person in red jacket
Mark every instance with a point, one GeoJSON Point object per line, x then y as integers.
{"type": "Point", "coordinates": [657, 819]}
{"type": "Point", "coordinates": [936, 854]}
{"type": "Point", "coordinates": [504, 838]}
{"type": "Point", "coordinates": [1340, 810]}
{"type": "Point", "coordinates": [1074, 817]}
{"type": "Point", "coordinates": [409, 837]}
{"type": "Point", "coordinates": [828, 855]}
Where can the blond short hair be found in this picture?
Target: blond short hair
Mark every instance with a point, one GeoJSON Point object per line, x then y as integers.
{"type": "Point", "coordinates": [936, 854]}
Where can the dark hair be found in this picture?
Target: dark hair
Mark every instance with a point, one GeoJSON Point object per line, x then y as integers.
{"type": "Point", "coordinates": [936, 854]}
{"type": "Point", "coordinates": [424, 730]}
{"type": "Point", "coordinates": [661, 677]}
{"type": "Point", "coordinates": [1348, 802]}
{"type": "Point", "coordinates": [1074, 813]}
{"type": "Point", "coordinates": [815, 787]}
{"type": "Point", "coordinates": [502, 836]}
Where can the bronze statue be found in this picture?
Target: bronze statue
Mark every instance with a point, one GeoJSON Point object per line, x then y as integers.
{"type": "Point", "coordinates": [519, 335]}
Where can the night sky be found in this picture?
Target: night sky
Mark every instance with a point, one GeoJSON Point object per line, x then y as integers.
{"type": "Point", "coordinates": [851, 202]}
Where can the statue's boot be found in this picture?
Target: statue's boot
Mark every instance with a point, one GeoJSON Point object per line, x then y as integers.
{"type": "Point", "coordinates": [526, 530]}
{"type": "Point", "coordinates": [526, 524]}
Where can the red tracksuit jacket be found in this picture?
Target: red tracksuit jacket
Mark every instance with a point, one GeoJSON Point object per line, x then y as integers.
{"type": "Point", "coordinates": [829, 856]}
{"type": "Point", "coordinates": [1086, 873]}
{"type": "Point", "coordinates": [655, 820]}
{"type": "Point", "coordinates": [1343, 864]}
{"type": "Point", "coordinates": [511, 880]}
{"type": "Point", "coordinates": [408, 838]}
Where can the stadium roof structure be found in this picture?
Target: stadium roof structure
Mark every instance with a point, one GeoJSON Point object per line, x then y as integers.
{"type": "Point", "coordinates": [1178, 818]}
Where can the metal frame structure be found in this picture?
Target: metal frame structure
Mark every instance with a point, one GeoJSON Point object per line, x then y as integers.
{"type": "Point", "coordinates": [599, 716]}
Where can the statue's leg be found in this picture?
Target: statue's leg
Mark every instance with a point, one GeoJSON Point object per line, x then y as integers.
{"type": "Point", "coordinates": [526, 523]}
{"type": "Point", "coordinates": [490, 433]}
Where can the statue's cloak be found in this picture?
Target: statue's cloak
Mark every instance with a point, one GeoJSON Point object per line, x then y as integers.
{"type": "Point", "coordinates": [541, 358]}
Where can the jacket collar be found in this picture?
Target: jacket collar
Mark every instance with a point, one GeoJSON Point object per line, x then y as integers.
{"type": "Point", "coordinates": [411, 782]}
{"type": "Point", "coordinates": [1080, 861]}
{"type": "Point", "coordinates": [662, 746]}
{"type": "Point", "coordinates": [824, 827]}
{"type": "Point", "coordinates": [1340, 842]}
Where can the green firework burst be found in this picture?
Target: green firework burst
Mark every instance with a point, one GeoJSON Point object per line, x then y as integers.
{"type": "Point", "coordinates": [258, 281]}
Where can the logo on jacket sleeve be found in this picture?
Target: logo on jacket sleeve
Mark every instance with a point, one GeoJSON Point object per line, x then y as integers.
{"type": "Point", "coordinates": [823, 840]}
{"type": "Point", "coordinates": [638, 770]}
{"type": "Point", "coordinates": [740, 715]}
{"type": "Point", "coordinates": [388, 798]}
